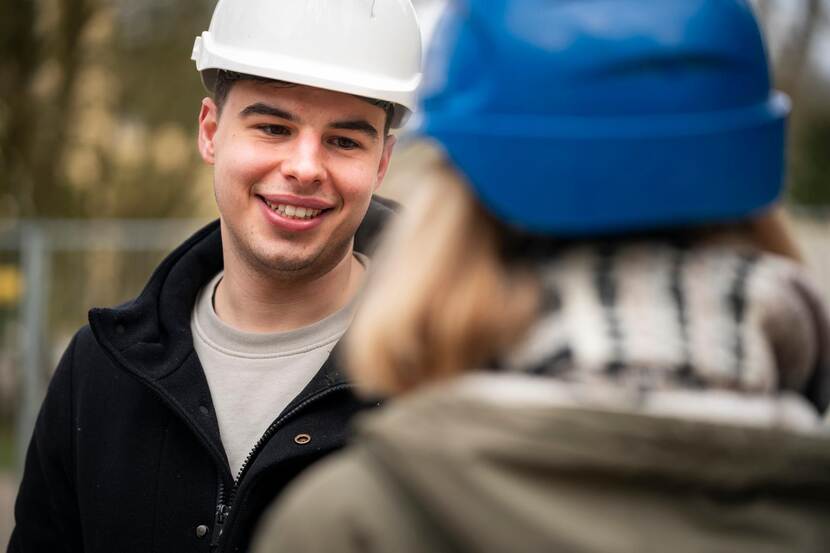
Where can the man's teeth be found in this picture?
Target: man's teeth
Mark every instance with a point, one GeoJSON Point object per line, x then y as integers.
{"type": "Point", "coordinates": [293, 211]}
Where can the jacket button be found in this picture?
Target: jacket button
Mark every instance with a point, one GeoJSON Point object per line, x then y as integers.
{"type": "Point", "coordinates": [201, 531]}
{"type": "Point", "coordinates": [302, 439]}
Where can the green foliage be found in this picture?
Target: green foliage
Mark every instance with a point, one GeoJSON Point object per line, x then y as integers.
{"type": "Point", "coordinates": [18, 51]}
{"type": "Point", "coordinates": [810, 165]}
{"type": "Point", "coordinates": [159, 81]}
{"type": "Point", "coordinates": [7, 449]}
{"type": "Point", "coordinates": [160, 90]}
{"type": "Point", "coordinates": [98, 108]}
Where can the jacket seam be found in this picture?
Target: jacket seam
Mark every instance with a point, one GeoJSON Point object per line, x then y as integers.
{"type": "Point", "coordinates": [123, 361]}
{"type": "Point", "coordinates": [161, 391]}
{"type": "Point", "coordinates": [158, 484]}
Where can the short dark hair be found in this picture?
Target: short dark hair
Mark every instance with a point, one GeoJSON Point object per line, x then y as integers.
{"type": "Point", "coordinates": [226, 79]}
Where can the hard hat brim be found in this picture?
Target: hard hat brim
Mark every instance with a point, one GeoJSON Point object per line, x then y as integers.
{"type": "Point", "coordinates": [210, 58]}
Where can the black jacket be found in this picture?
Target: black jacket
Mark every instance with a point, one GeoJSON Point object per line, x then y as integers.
{"type": "Point", "coordinates": [126, 454]}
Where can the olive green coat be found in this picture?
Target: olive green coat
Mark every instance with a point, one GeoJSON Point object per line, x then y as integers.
{"type": "Point", "coordinates": [444, 470]}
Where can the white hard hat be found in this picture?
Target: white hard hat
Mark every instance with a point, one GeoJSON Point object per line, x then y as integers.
{"type": "Point", "coordinates": [369, 48]}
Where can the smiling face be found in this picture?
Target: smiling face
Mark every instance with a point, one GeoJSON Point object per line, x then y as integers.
{"type": "Point", "coordinates": [294, 172]}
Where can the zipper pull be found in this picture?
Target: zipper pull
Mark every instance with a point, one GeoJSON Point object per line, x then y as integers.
{"type": "Point", "coordinates": [218, 524]}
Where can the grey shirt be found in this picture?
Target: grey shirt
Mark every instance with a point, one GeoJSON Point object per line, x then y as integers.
{"type": "Point", "coordinates": [254, 376]}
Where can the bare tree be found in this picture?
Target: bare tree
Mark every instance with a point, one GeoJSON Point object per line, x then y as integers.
{"type": "Point", "coordinates": [763, 10]}
{"type": "Point", "coordinates": [796, 49]}
{"type": "Point", "coordinates": [19, 51]}
{"type": "Point", "coordinates": [33, 130]}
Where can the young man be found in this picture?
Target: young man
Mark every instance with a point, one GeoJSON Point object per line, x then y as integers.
{"type": "Point", "coordinates": [173, 420]}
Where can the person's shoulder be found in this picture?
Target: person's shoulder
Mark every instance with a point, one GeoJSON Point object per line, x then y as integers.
{"type": "Point", "coordinates": [385, 204]}
{"type": "Point", "coordinates": [320, 510]}
{"type": "Point", "coordinates": [72, 371]}
{"type": "Point", "coordinates": [338, 480]}
{"type": "Point", "coordinates": [83, 343]}
{"type": "Point", "coordinates": [82, 359]}
{"type": "Point", "coordinates": [341, 505]}
{"type": "Point", "coordinates": [85, 346]}
{"type": "Point", "coordinates": [61, 381]}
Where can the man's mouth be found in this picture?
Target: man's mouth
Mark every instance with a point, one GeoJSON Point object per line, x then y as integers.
{"type": "Point", "coordinates": [293, 211]}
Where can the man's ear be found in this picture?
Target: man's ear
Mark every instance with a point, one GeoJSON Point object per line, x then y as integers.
{"type": "Point", "coordinates": [208, 123]}
{"type": "Point", "coordinates": [385, 158]}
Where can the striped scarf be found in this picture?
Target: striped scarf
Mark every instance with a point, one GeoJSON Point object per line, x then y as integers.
{"type": "Point", "coordinates": [649, 315]}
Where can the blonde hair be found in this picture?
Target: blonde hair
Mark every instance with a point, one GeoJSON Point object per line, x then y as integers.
{"type": "Point", "coordinates": [440, 300]}
{"type": "Point", "coordinates": [443, 299]}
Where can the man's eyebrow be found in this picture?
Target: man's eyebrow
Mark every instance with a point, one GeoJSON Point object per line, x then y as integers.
{"type": "Point", "coordinates": [360, 125]}
{"type": "Point", "coordinates": [264, 109]}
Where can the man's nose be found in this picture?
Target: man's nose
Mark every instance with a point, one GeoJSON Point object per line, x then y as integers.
{"type": "Point", "coordinates": [304, 163]}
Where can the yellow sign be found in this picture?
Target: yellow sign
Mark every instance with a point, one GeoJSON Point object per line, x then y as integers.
{"type": "Point", "coordinates": [11, 284]}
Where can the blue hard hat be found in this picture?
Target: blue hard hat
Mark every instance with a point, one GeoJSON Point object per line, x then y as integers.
{"type": "Point", "coordinates": [578, 117]}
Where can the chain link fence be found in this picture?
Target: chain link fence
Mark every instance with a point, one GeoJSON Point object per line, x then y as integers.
{"type": "Point", "coordinates": [51, 273]}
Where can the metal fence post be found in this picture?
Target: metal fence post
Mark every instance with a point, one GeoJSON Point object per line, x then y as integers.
{"type": "Point", "coordinates": [34, 261]}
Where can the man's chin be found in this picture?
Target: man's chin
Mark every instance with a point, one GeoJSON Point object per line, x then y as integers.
{"type": "Point", "coordinates": [300, 267]}
{"type": "Point", "coordinates": [287, 265]}
{"type": "Point", "coordinates": [291, 261]}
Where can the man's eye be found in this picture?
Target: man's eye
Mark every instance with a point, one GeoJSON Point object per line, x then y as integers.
{"type": "Point", "coordinates": [274, 130]}
{"type": "Point", "coordinates": [345, 143]}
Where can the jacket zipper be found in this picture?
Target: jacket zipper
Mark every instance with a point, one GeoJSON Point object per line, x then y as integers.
{"type": "Point", "coordinates": [219, 518]}
{"type": "Point", "coordinates": [224, 505]}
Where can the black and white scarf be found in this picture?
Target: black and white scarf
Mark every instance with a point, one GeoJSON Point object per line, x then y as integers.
{"type": "Point", "coordinates": [652, 315]}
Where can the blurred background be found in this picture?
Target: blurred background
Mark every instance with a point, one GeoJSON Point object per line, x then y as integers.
{"type": "Point", "coordinates": [100, 176]}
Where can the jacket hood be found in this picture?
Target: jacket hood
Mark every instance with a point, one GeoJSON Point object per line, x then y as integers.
{"type": "Point", "coordinates": [495, 461]}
